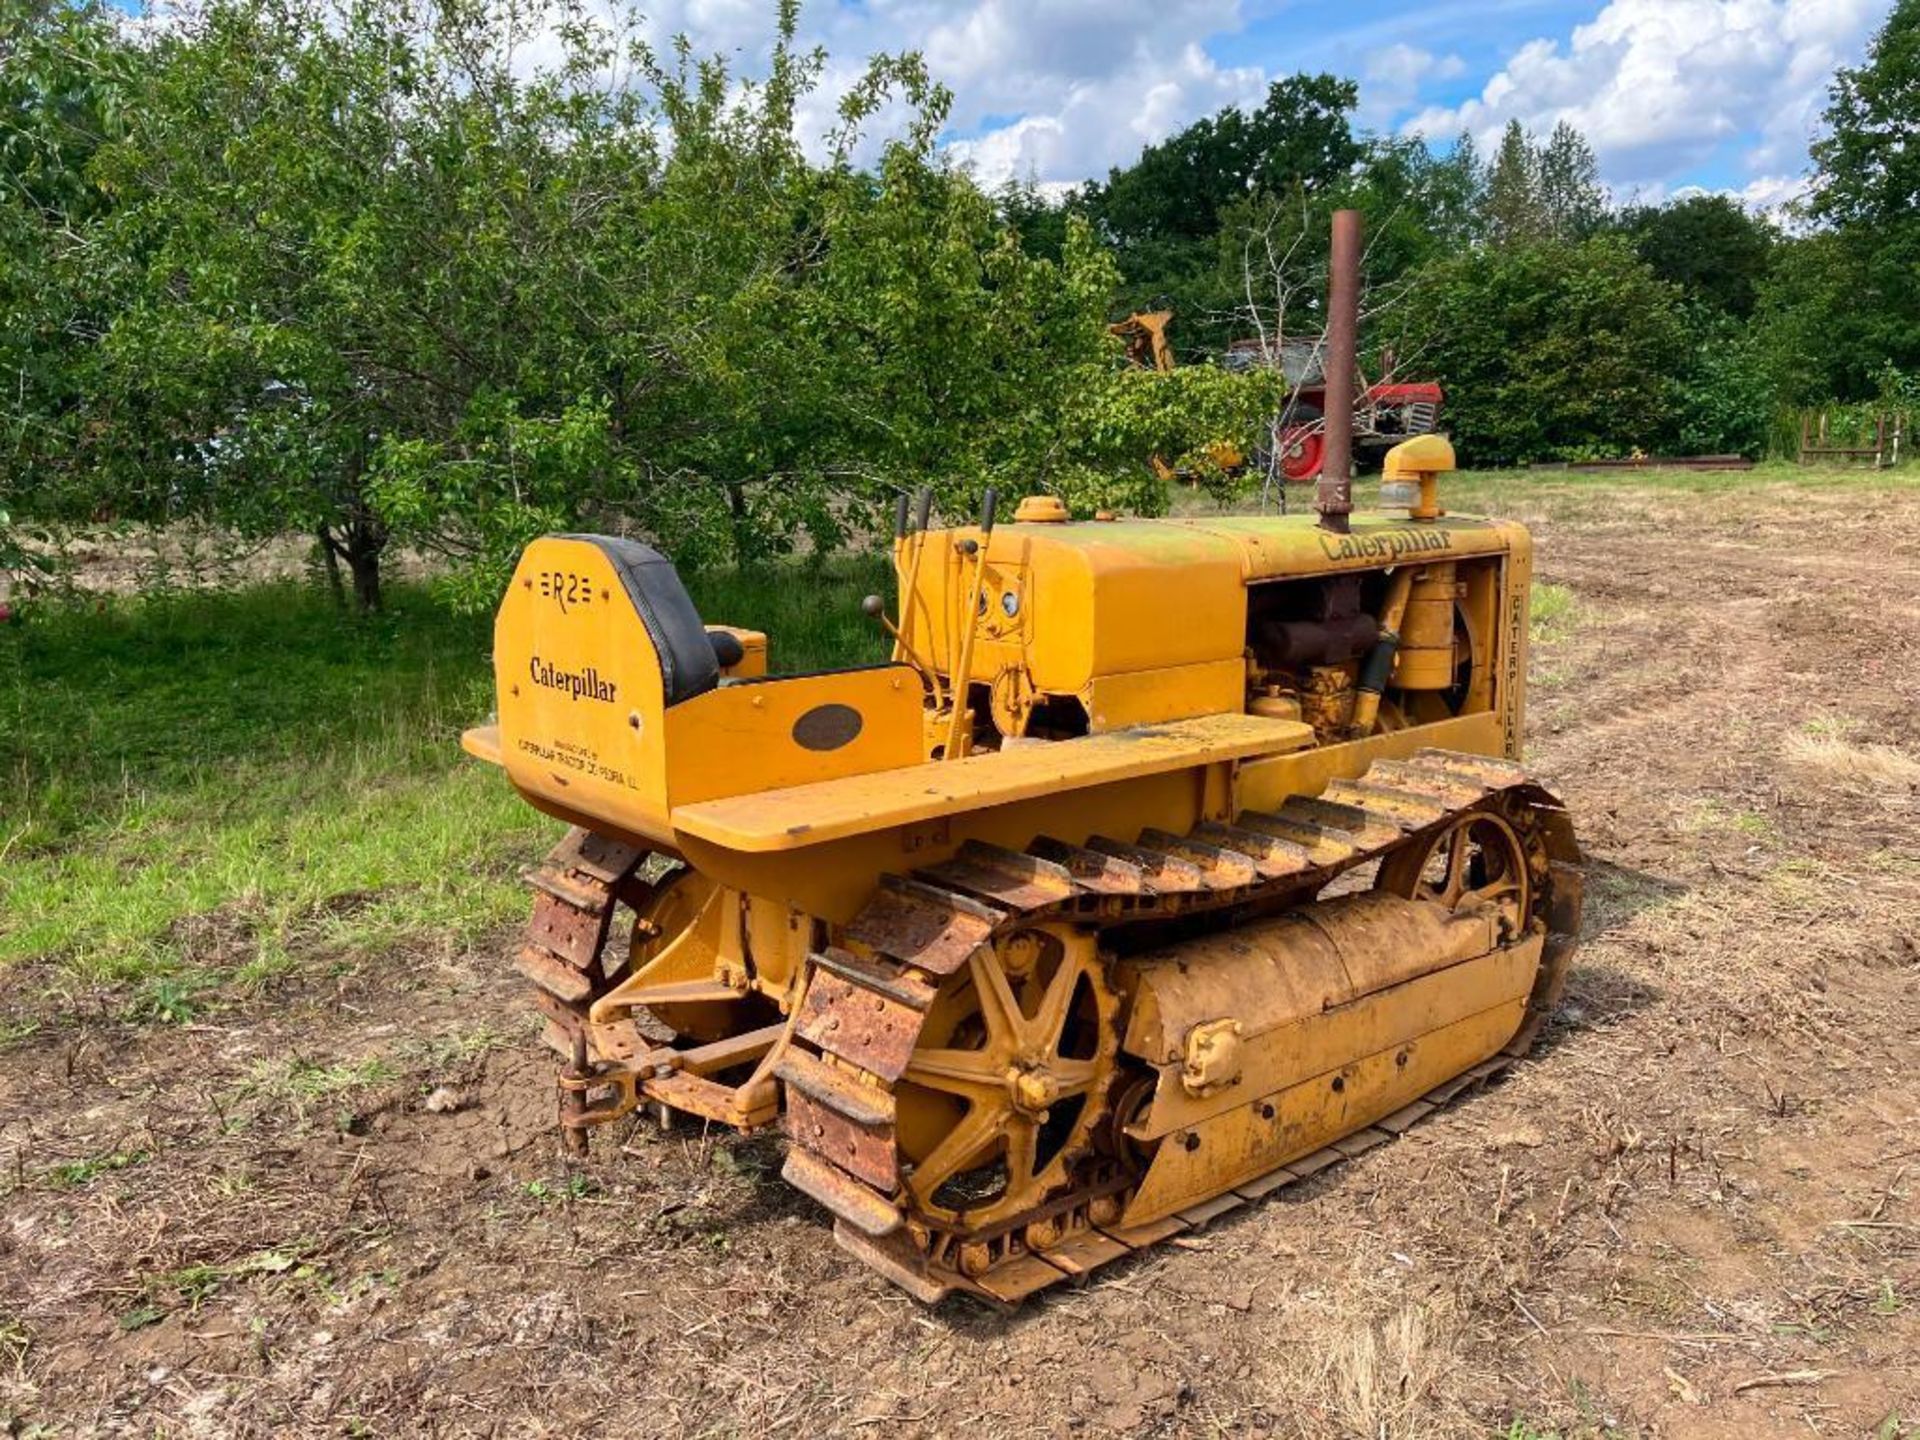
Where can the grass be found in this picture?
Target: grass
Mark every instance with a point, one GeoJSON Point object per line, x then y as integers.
{"type": "Point", "coordinates": [75, 1173]}
{"type": "Point", "coordinates": [201, 791]}
{"type": "Point", "coordinates": [1553, 609]}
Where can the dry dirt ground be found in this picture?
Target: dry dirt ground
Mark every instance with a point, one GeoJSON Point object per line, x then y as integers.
{"type": "Point", "coordinates": [1696, 1213]}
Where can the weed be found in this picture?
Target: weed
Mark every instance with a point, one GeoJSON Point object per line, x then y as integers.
{"type": "Point", "coordinates": [297, 1083]}
{"type": "Point", "coordinates": [141, 1316]}
{"type": "Point", "coordinates": [191, 1285]}
{"type": "Point", "coordinates": [1715, 815]}
{"type": "Point", "coordinates": [15, 1341]}
{"type": "Point", "coordinates": [231, 1183]}
{"type": "Point", "coordinates": [1888, 1301]}
{"type": "Point", "coordinates": [75, 1173]}
{"type": "Point", "coordinates": [574, 1187]}
{"type": "Point", "coordinates": [168, 1000]}
{"type": "Point", "coordinates": [456, 1048]}
{"type": "Point", "coordinates": [12, 1031]}
{"type": "Point", "coordinates": [1554, 611]}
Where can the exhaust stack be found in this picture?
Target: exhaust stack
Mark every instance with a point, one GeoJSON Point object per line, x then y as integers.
{"type": "Point", "coordinates": [1333, 496]}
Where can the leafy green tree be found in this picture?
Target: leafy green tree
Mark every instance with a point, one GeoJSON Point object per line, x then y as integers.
{"type": "Point", "coordinates": [1571, 199]}
{"type": "Point", "coordinates": [388, 287]}
{"type": "Point", "coordinates": [1842, 306]}
{"type": "Point", "coordinates": [1164, 213]}
{"type": "Point", "coordinates": [1723, 396]}
{"type": "Point", "coordinates": [1512, 200]}
{"type": "Point", "coordinates": [1537, 191]}
{"type": "Point", "coordinates": [1836, 311]}
{"type": "Point", "coordinates": [1868, 163]}
{"type": "Point", "coordinates": [1708, 245]}
{"type": "Point", "coordinates": [1549, 350]}
{"type": "Point", "coordinates": [66, 78]}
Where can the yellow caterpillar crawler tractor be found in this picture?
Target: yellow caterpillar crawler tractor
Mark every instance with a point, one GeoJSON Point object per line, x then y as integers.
{"type": "Point", "coordinates": [1167, 862]}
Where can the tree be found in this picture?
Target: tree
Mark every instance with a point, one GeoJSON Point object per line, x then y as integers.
{"type": "Point", "coordinates": [1550, 350]}
{"type": "Point", "coordinates": [1548, 191]}
{"type": "Point", "coordinates": [1164, 213]}
{"type": "Point", "coordinates": [1571, 199]}
{"type": "Point", "coordinates": [386, 285]}
{"type": "Point", "coordinates": [67, 75]}
{"type": "Point", "coordinates": [1868, 164]}
{"type": "Point", "coordinates": [1708, 245]}
{"type": "Point", "coordinates": [1842, 308]}
{"type": "Point", "coordinates": [1512, 196]}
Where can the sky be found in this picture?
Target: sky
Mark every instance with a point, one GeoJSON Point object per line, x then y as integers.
{"type": "Point", "coordinates": [1673, 94]}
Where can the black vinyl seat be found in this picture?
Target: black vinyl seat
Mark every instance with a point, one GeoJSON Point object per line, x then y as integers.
{"type": "Point", "coordinates": [689, 664]}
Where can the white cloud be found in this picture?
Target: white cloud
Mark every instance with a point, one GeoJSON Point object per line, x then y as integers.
{"type": "Point", "coordinates": [1100, 122]}
{"type": "Point", "coordinates": [1087, 82]}
{"type": "Point", "coordinates": [1658, 86]}
{"type": "Point", "coordinates": [1393, 76]}
{"type": "Point", "coordinates": [1055, 90]}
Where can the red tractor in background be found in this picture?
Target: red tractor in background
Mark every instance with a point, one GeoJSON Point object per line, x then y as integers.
{"type": "Point", "coordinates": [1385, 411]}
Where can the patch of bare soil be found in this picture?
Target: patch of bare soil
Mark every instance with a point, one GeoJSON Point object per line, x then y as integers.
{"type": "Point", "coordinates": [1692, 1214]}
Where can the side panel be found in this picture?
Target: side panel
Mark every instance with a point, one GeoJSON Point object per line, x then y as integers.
{"type": "Point", "coordinates": [579, 687]}
{"type": "Point", "coordinates": [769, 734]}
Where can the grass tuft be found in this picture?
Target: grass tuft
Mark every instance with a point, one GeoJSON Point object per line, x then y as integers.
{"type": "Point", "coordinates": [1869, 766]}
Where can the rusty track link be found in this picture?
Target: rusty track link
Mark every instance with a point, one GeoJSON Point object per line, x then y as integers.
{"type": "Point", "coordinates": [864, 1003]}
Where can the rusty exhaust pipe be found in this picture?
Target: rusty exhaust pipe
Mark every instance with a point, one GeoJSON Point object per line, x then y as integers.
{"type": "Point", "coordinates": [1333, 496]}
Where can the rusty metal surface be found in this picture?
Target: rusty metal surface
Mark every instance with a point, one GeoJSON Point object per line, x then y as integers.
{"type": "Point", "coordinates": [923, 926]}
{"type": "Point", "coordinates": [1091, 871]}
{"type": "Point", "coordinates": [1221, 869]}
{"type": "Point", "coordinates": [1163, 873]}
{"type": "Point", "coordinates": [837, 1089]}
{"type": "Point", "coordinates": [863, 1150]}
{"type": "Point", "coordinates": [857, 1204]}
{"type": "Point", "coordinates": [908, 988]}
{"type": "Point", "coordinates": [1333, 497]}
{"type": "Point", "coordinates": [552, 974]}
{"type": "Point", "coordinates": [871, 1030]}
{"type": "Point", "coordinates": [1274, 855]}
{"type": "Point", "coordinates": [572, 933]}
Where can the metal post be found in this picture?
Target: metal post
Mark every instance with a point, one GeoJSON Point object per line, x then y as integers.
{"type": "Point", "coordinates": [1333, 496]}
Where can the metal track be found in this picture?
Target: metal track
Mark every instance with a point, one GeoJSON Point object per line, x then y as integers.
{"type": "Point", "coordinates": [864, 1005]}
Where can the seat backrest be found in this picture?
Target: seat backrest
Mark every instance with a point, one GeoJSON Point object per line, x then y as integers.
{"type": "Point", "coordinates": [688, 666]}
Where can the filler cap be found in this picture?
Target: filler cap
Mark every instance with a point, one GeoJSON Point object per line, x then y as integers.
{"type": "Point", "coordinates": [1040, 510]}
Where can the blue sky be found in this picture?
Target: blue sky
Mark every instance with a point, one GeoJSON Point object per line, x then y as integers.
{"type": "Point", "coordinates": [1716, 94]}
{"type": "Point", "coordinates": [1719, 94]}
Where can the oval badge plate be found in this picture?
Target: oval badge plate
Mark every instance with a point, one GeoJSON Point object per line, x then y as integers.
{"type": "Point", "coordinates": [827, 727]}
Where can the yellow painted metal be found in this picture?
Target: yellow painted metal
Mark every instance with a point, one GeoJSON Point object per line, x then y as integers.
{"type": "Point", "coordinates": [993, 1068]}
{"type": "Point", "coordinates": [808, 815]}
{"type": "Point", "coordinates": [584, 732]}
{"type": "Point", "coordinates": [1426, 657]}
{"type": "Point", "coordinates": [1275, 972]}
{"type": "Point", "coordinates": [797, 801]}
{"type": "Point", "coordinates": [482, 742]}
{"type": "Point", "coordinates": [832, 879]}
{"type": "Point", "coordinates": [753, 659]}
{"type": "Point", "coordinates": [1266, 1132]}
{"type": "Point", "coordinates": [1308, 1045]}
{"type": "Point", "coordinates": [1147, 697]}
{"type": "Point", "coordinates": [1110, 611]}
{"type": "Point", "coordinates": [1423, 460]}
